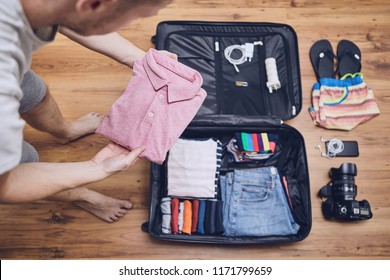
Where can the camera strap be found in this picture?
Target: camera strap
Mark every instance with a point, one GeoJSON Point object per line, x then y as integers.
{"type": "Point", "coordinates": [327, 207]}
{"type": "Point", "coordinates": [325, 191]}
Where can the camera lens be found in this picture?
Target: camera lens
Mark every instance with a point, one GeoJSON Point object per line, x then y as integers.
{"type": "Point", "coordinates": [343, 191]}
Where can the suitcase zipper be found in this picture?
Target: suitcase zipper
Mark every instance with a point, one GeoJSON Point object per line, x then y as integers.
{"type": "Point", "coordinates": [290, 95]}
{"type": "Point", "coordinates": [218, 74]}
{"type": "Point", "coordinates": [263, 76]}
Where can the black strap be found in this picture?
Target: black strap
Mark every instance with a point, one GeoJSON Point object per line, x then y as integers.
{"type": "Point", "coordinates": [145, 227]}
{"type": "Point", "coordinates": [329, 54]}
{"type": "Point", "coordinates": [327, 208]}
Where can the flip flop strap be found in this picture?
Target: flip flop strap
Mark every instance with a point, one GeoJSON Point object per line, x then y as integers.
{"type": "Point", "coordinates": [356, 57]}
{"type": "Point", "coordinates": [326, 53]}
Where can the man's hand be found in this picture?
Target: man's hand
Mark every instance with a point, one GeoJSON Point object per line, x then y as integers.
{"type": "Point", "coordinates": [164, 52]}
{"type": "Point", "coordinates": [169, 54]}
{"type": "Point", "coordinates": [114, 158]}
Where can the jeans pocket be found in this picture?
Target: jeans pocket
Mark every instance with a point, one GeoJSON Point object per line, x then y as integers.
{"type": "Point", "coordinates": [254, 192]}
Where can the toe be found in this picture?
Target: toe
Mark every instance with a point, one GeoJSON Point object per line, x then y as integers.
{"type": "Point", "coordinates": [114, 218]}
{"type": "Point", "coordinates": [127, 205]}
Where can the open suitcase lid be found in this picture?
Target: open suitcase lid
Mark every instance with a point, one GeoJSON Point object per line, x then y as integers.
{"type": "Point", "coordinates": [238, 90]}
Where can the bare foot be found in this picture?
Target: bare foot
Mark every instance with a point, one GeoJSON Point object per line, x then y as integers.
{"type": "Point", "coordinates": [80, 127]}
{"type": "Point", "coordinates": [106, 208]}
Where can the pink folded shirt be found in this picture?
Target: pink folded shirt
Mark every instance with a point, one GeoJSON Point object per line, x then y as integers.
{"type": "Point", "coordinates": [161, 99]}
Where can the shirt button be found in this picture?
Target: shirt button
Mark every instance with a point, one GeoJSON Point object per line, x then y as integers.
{"type": "Point", "coordinates": [150, 114]}
{"type": "Point", "coordinates": [161, 96]}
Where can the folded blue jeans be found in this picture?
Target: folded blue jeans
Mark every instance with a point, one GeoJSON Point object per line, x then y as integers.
{"type": "Point", "coordinates": [254, 204]}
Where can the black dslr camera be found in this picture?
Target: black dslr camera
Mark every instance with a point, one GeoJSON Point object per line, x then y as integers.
{"type": "Point", "coordinates": [340, 193]}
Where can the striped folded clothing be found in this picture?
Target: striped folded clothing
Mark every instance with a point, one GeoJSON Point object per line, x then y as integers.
{"type": "Point", "coordinates": [342, 104]}
{"type": "Point", "coordinates": [252, 146]}
{"type": "Point", "coordinates": [193, 168]}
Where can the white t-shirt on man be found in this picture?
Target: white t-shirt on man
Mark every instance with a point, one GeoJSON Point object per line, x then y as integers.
{"type": "Point", "coordinates": [17, 43]}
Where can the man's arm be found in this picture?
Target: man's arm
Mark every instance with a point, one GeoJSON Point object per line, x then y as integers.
{"type": "Point", "coordinates": [112, 45]}
{"type": "Point", "coordinates": [39, 180]}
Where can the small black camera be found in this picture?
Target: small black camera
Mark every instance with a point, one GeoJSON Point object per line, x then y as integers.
{"type": "Point", "coordinates": [340, 193]}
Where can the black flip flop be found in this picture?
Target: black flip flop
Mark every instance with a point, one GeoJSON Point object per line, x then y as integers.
{"type": "Point", "coordinates": [349, 58]}
{"type": "Point", "coordinates": [322, 59]}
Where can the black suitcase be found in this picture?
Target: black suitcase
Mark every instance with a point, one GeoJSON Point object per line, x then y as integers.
{"type": "Point", "coordinates": [239, 101]}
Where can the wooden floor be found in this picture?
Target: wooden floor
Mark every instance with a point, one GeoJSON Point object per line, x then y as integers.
{"type": "Point", "coordinates": [82, 81]}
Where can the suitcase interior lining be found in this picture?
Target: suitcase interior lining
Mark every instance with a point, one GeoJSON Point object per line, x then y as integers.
{"type": "Point", "coordinates": [289, 150]}
{"type": "Point", "coordinates": [220, 77]}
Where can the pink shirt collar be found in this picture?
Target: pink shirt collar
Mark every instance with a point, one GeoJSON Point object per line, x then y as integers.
{"type": "Point", "coordinates": [154, 65]}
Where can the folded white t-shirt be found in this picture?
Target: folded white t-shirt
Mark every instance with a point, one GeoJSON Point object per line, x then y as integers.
{"type": "Point", "coordinates": [192, 165]}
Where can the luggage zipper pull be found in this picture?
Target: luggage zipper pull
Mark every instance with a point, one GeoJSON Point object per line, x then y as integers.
{"type": "Point", "coordinates": [293, 110]}
{"type": "Point", "coordinates": [279, 121]}
{"type": "Point", "coordinates": [216, 46]}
